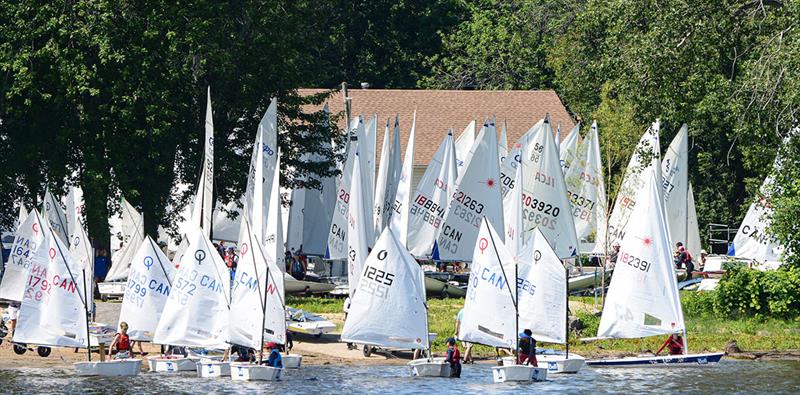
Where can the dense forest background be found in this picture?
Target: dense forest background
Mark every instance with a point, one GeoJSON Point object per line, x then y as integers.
{"type": "Point", "coordinates": [111, 94]}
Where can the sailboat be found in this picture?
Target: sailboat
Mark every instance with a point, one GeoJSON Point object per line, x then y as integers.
{"type": "Point", "coordinates": [587, 192]}
{"type": "Point", "coordinates": [643, 298]}
{"type": "Point", "coordinates": [195, 314]}
{"type": "Point", "coordinates": [402, 201]}
{"type": "Point", "coordinates": [128, 231]}
{"type": "Point", "coordinates": [389, 308]}
{"type": "Point", "coordinates": [491, 315]}
{"type": "Point", "coordinates": [337, 236]}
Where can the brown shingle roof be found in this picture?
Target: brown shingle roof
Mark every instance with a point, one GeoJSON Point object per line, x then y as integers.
{"type": "Point", "coordinates": [439, 110]}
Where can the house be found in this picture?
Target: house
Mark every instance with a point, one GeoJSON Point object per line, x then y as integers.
{"type": "Point", "coordinates": [440, 110]}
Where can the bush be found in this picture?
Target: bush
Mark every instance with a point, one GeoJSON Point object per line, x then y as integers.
{"type": "Point", "coordinates": [698, 304]}
{"type": "Point", "coordinates": [750, 292]}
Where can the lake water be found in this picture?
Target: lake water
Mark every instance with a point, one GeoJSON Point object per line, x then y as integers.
{"type": "Point", "coordinates": [727, 377]}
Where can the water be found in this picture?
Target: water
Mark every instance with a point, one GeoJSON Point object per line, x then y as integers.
{"type": "Point", "coordinates": [726, 377]}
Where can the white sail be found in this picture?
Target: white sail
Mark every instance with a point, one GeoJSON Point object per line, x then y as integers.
{"type": "Point", "coordinates": [248, 291]}
{"type": "Point", "coordinates": [389, 307]}
{"type": "Point", "coordinates": [358, 222]}
{"type": "Point", "coordinates": [544, 195]}
{"type": "Point", "coordinates": [402, 200]}
{"type": "Point", "coordinates": [133, 226]}
{"type": "Point", "coordinates": [262, 166]}
{"type": "Point", "coordinates": [80, 247]}
{"type": "Point", "coordinates": [274, 249]}
{"type": "Point", "coordinates": [643, 298]}
{"type": "Point", "coordinates": [509, 167]}
{"type": "Point", "coordinates": [202, 209]}
{"type": "Point", "coordinates": [478, 195]}
{"type": "Point", "coordinates": [489, 308]}
{"type": "Point", "coordinates": [502, 144]}
{"type": "Point", "coordinates": [366, 148]}
{"type": "Point", "coordinates": [196, 312]}
{"type": "Point", "coordinates": [150, 280]}
{"type": "Point", "coordinates": [675, 174]}
{"type": "Point", "coordinates": [394, 178]}
{"type": "Point", "coordinates": [587, 192]}
{"type": "Point", "coordinates": [542, 291]}
{"type": "Point", "coordinates": [294, 224]}
{"type": "Point", "coordinates": [382, 180]}
{"type": "Point", "coordinates": [317, 208]}
{"type": "Point", "coordinates": [28, 248]}
{"type": "Point", "coordinates": [464, 144]}
{"type": "Point", "coordinates": [53, 311]}
{"type": "Point", "coordinates": [568, 148]}
{"type": "Point", "coordinates": [54, 213]}
{"type": "Point", "coordinates": [513, 218]}
{"type": "Point", "coordinates": [23, 214]}
{"type": "Point", "coordinates": [693, 243]}
{"type": "Point", "coordinates": [430, 202]}
{"type": "Point", "coordinates": [753, 240]}
{"type": "Point", "coordinates": [337, 237]}
{"type": "Point", "coordinates": [226, 227]}
{"type": "Point", "coordinates": [633, 181]}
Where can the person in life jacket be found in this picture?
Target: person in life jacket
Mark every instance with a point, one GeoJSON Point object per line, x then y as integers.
{"type": "Point", "coordinates": [683, 258]}
{"type": "Point", "coordinates": [121, 343]}
{"type": "Point", "coordinates": [274, 360]}
{"type": "Point", "coordinates": [675, 343]}
{"type": "Point", "coordinates": [453, 358]}
{"type": "Point", "coordinates": [527, 348]}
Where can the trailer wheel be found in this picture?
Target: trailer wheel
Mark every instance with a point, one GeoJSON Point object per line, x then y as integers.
{"type": "Point", "coordinates": [43, 351]}
{"type": "Point", "coordinates": [367, 351]}
{"type": "Point", "coordinates": [20, 349]}
{"type": "Point", "coordinates": [104, 298]}
{"type": "Point", "coordinates": [445, 294]}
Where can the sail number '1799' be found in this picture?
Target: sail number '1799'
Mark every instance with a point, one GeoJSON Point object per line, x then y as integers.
{"type": "Point", "coordinates": [376, 282]}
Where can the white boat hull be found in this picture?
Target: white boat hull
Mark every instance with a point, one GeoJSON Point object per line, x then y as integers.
{"type": "Point", "coordinates": [171, 365]}
{"type": "Point", "coordinates": [555, 361]}
{"type": "Point", "coordinates": [292, 361]}
{"type": "Point", "coordinates": [658, 361]}
{"type": "Point", "coordinates": [425, 368]}
{"type": "Point", "coordinates": [518, 373]}
{"type": "Point", "coordinates": [209, 369]}
{"type": "Point", "coordinates": [254, 372]}
{"type": "Point", "coordinates": [120, 367]}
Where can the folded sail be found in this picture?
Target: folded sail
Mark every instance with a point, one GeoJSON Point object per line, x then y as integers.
{"type": "Point", "coordinates": [693, 243]}
{"type": "Point", "coordinates": [675, 172]}
{"type": "Point", "coordinates": [643, 297]}
{"type": "Point", "coordinates": [358, 224]}
{"type": "Point", "coordinates": [202, 209]}
{"type": "Point", "coordinates": [150, 280]}
{"type": "Point", "coordinates": [568, 148]}
{"type": "Point", "coordinates": [463, 145]}
{"type": "Point", "coordinates": [54, 213]}
{"type": "Point", "coordinates": [587, 192]}
{"type": "Point", "coordinates": [402, 200]}
{"type": "Point", "coordinates": [337, 237]}
{"type": "Point", "coordinates": [388, 309]}
{"type": "Point", "coordinates": [133, 235]}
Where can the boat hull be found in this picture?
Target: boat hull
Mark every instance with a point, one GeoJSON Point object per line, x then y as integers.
{"type": "Point", "coordinates": [518, 373]}
{"type": "Point", "coordinates": [210, 369]}
{"type": "Point", "coordinates": [172, 365]}
{"type": "Point", "coordinates": [555, 362]}
{"type": "Point", "coordinates": [254, 372]}
{"type": "Point", "coordinates": [425, 368]}
{"type": "Point", "coordinates": [658, 361]}
{"type": "Point", "coordinates": [120, 367]}
{"type": "Point", "coordinates": [292, 361]}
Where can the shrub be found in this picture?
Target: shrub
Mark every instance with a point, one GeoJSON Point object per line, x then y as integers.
{"type": "Point", "coordinates": [750, 292]}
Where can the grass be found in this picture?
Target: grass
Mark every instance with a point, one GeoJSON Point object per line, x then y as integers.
{"type": "Point", "coordinates": [705, 332]}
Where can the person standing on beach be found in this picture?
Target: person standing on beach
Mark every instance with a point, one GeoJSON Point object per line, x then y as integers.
{"type": "Point", "coordinates": [467, 346]}
{"type": "Point", "coordinates": [13, 314]}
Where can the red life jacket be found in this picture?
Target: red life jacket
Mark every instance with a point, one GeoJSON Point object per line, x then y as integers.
{"type": "Point", "coordinates": [124, 343]}
{"type": "Point", "coordinates": [675, 346]}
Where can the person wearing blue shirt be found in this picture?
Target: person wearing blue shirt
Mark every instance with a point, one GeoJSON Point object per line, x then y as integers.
{"type": "Point", "coordinates": [274, 359]}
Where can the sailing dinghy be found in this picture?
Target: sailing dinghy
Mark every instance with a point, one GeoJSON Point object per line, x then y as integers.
{"type": "Point", "coordinates": [643, 297]}
{"type": "Point", "coordinates": [491, 315]}
{"type": "Point", "coordinates": [388, 309]}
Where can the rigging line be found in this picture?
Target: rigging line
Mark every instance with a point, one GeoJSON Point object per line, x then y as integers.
{"type": "Point", "coordinates": [72, 277]}
{"type": "Point", "coordinates": [161, 264]}
{"type": "Point", "coordinates": [497, 254]}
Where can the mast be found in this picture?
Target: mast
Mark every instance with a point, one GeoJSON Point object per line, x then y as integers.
{"type": "Point", "coordinates": [566, 311]}
{"type": "Point", "coordinates": [83, 299]}
{"type": "Point", "coordinates": [513, 297]}
{"type": "Point", "coordinates": [261, 295]}
{"type": "Point", "coordinates": [427, 328]}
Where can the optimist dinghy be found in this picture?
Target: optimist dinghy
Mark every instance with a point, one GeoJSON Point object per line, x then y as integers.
{"type": "Point", "coordinates": [643, 298]}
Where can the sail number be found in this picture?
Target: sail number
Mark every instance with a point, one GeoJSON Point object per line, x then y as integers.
{"type": "Point", "coordinates": [379, 281]}
{"type": "Point", "coordinates": [539, 205]}
{"type": "Point", "coordinates": [635, 262]}
{"type": "Point", "coordinates": [468, 202]}
{"type": "Point", "coordinates": [432, 212]}
{"type": "Point", "coordinates": [581, 206]}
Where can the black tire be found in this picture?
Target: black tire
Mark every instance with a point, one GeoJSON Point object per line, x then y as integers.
{"type": "Point", "coordinates": [43, 351]}
{"type": "Point", "coordinates": [20, 349]}
{"type": "Point", "coordinates": [103, 298]}
{"type": "Point", "coordinates": [367, 351]}
{"type": "Point", "coordinates": [445, 294]}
